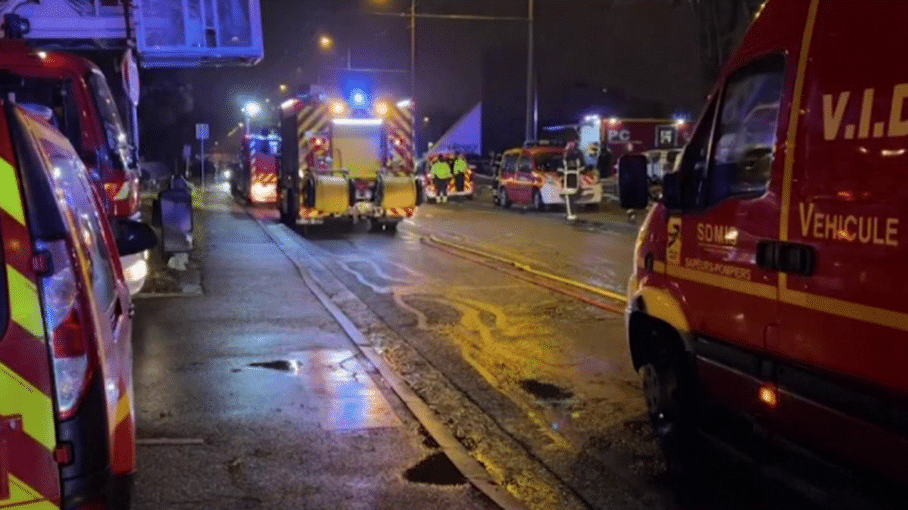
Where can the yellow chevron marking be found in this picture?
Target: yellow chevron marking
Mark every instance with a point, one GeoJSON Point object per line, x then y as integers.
{"type": "Point", "coordinates": [36, 408]}
{"type": "Point", "coordinates": [124, 408]}
{"type": "Point", "coordinates": [10, 200]}
{"type": "Point", "coordinates": [26, 309]}
{"type": "Point", "coordinates": [23, 497]}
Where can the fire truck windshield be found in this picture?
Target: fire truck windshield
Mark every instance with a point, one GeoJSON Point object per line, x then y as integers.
{"type": "Point", "coordinates": [52, 93]}
{"type": "Point", "coordinates": [107, 109]}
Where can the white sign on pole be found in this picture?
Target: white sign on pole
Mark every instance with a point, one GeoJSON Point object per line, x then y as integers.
{"type": "Point", "coordinates": [201, 131]}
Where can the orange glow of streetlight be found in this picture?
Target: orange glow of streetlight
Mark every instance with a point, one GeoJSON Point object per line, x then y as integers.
{"type": "Point", "coordinates": [326, 42]}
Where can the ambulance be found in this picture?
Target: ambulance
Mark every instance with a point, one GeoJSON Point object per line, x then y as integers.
{"type": "Point", "coordinates": [767, 309]}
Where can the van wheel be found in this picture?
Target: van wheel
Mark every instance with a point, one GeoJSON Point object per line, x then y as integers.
{"type": "Point", "coordinates": [538, 203]}
{"type": "Point", "coordinates": [503, 199]}
{"type": "Point", "coordinates": [375, 226]}
{"type": "Point", "coordinates": [391, 228]}
{"type": "Point", "coordinates": [668, 386]}
{"type": "Point", "coordinates": [495, 201]}
{"type": "Point", "coordinates": [119, 492]}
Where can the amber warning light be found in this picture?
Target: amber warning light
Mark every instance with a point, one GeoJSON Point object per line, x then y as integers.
{"type": "Point", "coordinates": [769, 396]}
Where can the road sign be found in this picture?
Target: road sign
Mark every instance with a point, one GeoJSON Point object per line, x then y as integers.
{"type": "Point", "coordinates": [201, 131]}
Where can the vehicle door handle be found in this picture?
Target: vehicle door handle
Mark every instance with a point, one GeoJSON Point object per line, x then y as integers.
{"type": "Point", "coordinates": [792, 258]}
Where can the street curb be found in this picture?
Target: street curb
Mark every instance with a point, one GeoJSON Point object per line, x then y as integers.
{"type": "Point", "coordinates": [465, 463]}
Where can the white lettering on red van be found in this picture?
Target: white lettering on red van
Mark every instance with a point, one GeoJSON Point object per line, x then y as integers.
{"type": "Point", "coordinates": [820, 225]}
{"type": "Point", "coordinates": [835, 125]}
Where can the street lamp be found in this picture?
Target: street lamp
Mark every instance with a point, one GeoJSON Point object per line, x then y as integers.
{"type": "Point", "coordinates": [326, 42]}
{"type": "Point", "coordinates": [251, 110]}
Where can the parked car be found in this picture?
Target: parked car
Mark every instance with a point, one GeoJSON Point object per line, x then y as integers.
{"type": "Point", "coordinates": [533, 175]}
{"type": "Point", "coordinates": [766, 310]}
{"type": "Point", "coordinates": [67, 426]}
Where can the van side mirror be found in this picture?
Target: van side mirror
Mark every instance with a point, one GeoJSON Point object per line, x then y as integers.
{"type": "Point", "coordinates": [671, 191]}
{"type": "Point", "coordinates": [135, 237]}
{"type": "Point", "coordinates": [633, 183]}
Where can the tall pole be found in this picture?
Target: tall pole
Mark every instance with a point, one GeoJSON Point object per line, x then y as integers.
{"type": "Point", "coordinates": [531, 72]}
{"type": "Point", "coordinates": [413, 74]}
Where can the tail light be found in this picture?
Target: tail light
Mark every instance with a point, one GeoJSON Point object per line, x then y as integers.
{"type": "Point", "coordinates": [65, 327]}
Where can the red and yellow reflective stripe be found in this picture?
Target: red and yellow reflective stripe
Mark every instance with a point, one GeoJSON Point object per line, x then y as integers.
{"type": "Point", "coordinates": [25, 388]}
{"type": "Point", "coordinates": [10, 201]}
{"type": "Point", "coordinates": [24, 497]}
{"type": "Point", "coordinates": [25, 307]}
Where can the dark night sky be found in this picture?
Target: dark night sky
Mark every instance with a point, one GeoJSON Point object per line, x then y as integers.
{"type": "Point", "coordinates": [643, 49]}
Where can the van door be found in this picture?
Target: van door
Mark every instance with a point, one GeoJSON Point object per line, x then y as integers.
{"type": "Point", "coordinates": [509, 174]}
{"type": "Point", "coordinates": [844, 325]}
{"type": "Point", "coordinates": [109, 296]}
{"type": "Point", "coordinates": [726, 210]}
{"type": "Point", "coordinates": [525, 179]}
{"type": "Point", "coordinates": [28, 471]}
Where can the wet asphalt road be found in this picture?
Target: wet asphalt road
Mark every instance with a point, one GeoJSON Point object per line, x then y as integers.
{"type": "Point", "coordinates": [535, 384]}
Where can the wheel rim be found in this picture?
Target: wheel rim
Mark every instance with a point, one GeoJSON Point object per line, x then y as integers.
{"type": "Point", "coordinates": [652, 390]}
{"type": "Point", "coordinates": [537, 200]}
{"type": "Point", "coordinates": [658, 390]}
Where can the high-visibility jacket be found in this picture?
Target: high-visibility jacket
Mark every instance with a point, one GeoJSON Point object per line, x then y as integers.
{"type": "Point", "coordinates": [441, 170]}
{"type": "Point", "coordinates": [460, 166]}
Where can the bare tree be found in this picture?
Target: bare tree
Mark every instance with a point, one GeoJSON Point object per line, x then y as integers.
{"type": "Point", "coordinates": [722, 22]}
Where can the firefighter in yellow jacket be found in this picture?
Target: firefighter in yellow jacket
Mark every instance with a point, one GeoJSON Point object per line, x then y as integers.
{"type": "Point", "coordinates": [441, 174]}
{"type": "Point", "coordinates": [460, 172]}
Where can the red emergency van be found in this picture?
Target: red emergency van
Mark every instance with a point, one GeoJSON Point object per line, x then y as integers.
{"type": "Point", "coordinates": [67, 426]}
{"type": "Point", "coordinates": [769, 287]}
{"type": "Point", "coordinates": [84, 110]}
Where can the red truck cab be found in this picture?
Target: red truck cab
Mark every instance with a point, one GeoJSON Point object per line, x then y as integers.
{"type": "Point", "coordinates": [769, 282]}
{"type": "Point", "coordinates": [84, 110]}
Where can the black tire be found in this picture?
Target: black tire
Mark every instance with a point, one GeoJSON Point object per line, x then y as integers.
{"type": "Point", "coordinates": [376, 226]}
{"type": "Point", "coordinates": [504, 199]}
{"type": "Point", "coordinates": [495, 201]}
{"type": "Point", "coordinates": [391, 227]}
{"type": "Point", "coordinates": [290, 207]}
{"type": "Point", "coordinates": [538, 203]}
{"type": "Point", "coordinates": [119, 492]}
{"type": "Point", "coordinates": [669, 386]}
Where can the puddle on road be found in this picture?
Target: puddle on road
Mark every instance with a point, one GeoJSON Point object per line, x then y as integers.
{"type": "Point", "coordinates": [281, 365]}
{"type": "Point", "coordinates": [437, 469]}
{"type": "Point", "coordinates": [331, 385]}
{"type": "Point", "coordinates": [544, 391]}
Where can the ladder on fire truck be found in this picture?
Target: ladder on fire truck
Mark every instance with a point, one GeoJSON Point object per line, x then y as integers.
{"type": "Point", "coordinates": [164, 33]}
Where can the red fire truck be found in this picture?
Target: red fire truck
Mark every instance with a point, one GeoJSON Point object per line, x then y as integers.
{"type": "Point", "coordinates": [349, 161]}
{"type": "Point", "coordinates": [255, 181]}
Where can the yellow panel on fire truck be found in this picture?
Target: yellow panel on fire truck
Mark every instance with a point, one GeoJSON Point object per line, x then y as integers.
{"type": "Point", "coordinates": [332, 194]}
{"type": "Point", "coordinates": [398, 192]}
